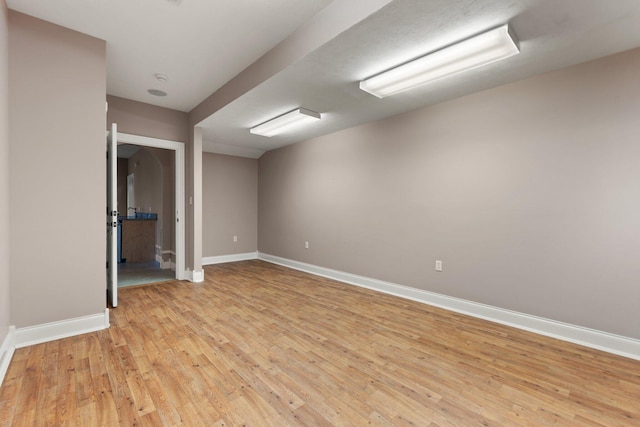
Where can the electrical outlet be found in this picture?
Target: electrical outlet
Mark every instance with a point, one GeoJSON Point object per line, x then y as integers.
{"type": "Point", "coordinates": [235, 238]}
{"type": "Point", "coordinates": [438, 265]}
{"type": "Point", "coordinates": [306, 245]}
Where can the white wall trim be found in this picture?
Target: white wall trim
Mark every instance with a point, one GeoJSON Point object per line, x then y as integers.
{"type": "Point", "coordinates": [6, 352]}
{"type": "Point", "coordinates": [195, 276]}
{"type": "Point", "coordinates": [164, 265]}
{"type": "Point", "coordinates": [616, 344]}
{"type": "Point", "coordinates": [220, 259]}
{"type": "Point", "coordinates": [45, 332]}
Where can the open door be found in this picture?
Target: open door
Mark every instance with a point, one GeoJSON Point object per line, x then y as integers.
{"type": "Point", "coordinates": [112, 216]}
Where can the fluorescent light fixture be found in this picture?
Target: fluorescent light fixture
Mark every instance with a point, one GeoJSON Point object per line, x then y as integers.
{"type": "Point", "coordinates": [473, 52]}
{"type": "Point", "coordinates": [285, 122]}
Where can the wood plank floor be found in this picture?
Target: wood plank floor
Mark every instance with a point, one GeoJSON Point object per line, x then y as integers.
{"type": "Point", "coordinates": [262, 345]}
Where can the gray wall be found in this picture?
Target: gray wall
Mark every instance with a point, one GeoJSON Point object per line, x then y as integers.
{"type": "Point", "coordinates": [5, 319]}
{"type": "Point", "coordinates": [57, 155]}
{"type": "Point", "coordinates": [230, 205]}
{"type": "Point", "coordinates": [148, 181]}
{"type": "Point", "coordinates": [138, 118]}
{"type": "Point", "coordinates": [529, 193]}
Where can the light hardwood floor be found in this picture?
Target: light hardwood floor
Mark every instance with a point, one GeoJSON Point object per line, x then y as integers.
{"type": "Point", "coordinates": [262, 345]}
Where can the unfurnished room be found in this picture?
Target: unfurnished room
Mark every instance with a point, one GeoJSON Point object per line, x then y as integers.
{"type": "Point", "coordinates": [319, 213]}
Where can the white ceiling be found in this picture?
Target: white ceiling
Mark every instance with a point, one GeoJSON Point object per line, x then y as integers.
{"type": "Point", "coordinates": [202, 44]}
{"type": "Point", "coordinates": [198, 44]}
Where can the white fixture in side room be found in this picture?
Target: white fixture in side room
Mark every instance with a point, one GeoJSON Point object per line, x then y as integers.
{"type": "Point", "coordinates": [438, 265]}
{"type": "Point", "coordinates": [493, 45]}
{"type": "Point", "coordinates": [285, 122]}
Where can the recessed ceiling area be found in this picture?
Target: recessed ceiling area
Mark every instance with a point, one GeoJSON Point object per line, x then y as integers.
{"type": "Point", "coordinates": [203, 45]}
{"type": "Point", "coordinates": [552, 35]}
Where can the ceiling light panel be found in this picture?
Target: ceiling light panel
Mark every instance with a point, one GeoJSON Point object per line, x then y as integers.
{"type": "Point", "coordinates": [483, 49]}
{"type": "Point", "coordinates": [285, 122]}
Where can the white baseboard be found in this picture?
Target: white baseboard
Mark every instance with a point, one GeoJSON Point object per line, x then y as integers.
{"type": "Point", "coordinates": [6, 352]}
{"type": "Point", "coordinates": [195, 276]}
{"type": "Point", "coordinates": [616, 344]}
{"type": "Point", "coordinates": [62, 329]}
{"type": "Point", "coordinates": [166, 264]}
{"type": "Point", "coordinates": [229, 258]}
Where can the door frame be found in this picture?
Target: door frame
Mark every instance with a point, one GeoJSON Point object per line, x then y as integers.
{"type": "Point", "coordinates": [178, 148]}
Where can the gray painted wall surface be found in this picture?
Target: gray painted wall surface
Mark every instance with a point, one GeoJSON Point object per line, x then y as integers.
{"type": "Point", "coordinates": [193, 209]}
{"type": "Point", "coordinates": [529, 194]}
{"type": "Point", "coordinates": [57, 155]}
{"type": "Point", "coordinates": [230, 204]}
{"type": "Point", "coordinates": [5, 320]}
{"type": "Point", "coordinates": [138, 118]}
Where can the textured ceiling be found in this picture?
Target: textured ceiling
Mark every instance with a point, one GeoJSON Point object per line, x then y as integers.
{"type": "Point", "coordinates": [202, 45]}
{"type": "Point", "coordinates": [553, 35]}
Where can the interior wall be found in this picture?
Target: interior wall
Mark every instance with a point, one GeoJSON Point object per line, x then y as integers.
{"type": "Point", "coordinates": [57, 157]}
{"type": "Point", "coordinates": [138, 118]}
{"type": "Point", "coordinates": [229, 205]}
{"type": "Point", "coordinates": [193, 208]}
{"type": "Point", "coordinates": [528, 193]}
{"type": "Point", "coordinates": [5, 308]}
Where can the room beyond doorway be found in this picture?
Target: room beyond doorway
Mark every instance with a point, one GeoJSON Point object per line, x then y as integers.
{"type": "Point", "coordinates": [169, 262]}
{"type": "Point", "coordinates": [146, 195]}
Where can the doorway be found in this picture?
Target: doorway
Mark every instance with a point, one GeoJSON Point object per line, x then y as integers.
{"type": "Point", "coordinates": [146, 247]}
{"type": "Point", "coordinates": [164, 261]}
